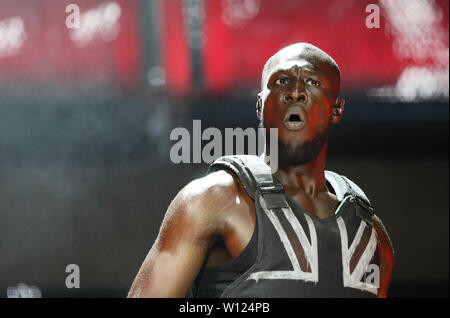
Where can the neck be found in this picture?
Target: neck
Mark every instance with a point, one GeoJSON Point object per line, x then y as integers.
{"type": "Point", "coordinates": [308, 178]}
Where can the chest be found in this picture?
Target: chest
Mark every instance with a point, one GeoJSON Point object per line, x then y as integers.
{"type": "Point", "coordinates": [299, 254]}
{"type": "Point", "coordinates": [241, 223]}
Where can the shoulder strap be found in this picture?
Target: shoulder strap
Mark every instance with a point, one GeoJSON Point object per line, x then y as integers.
{"type": "Point", "coordinates": [344, 186]}
{"type": "Point", "coordinates": [255, 175]}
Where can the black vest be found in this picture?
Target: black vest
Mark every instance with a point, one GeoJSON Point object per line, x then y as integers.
{"type": "Point", "coordinates": [299, 255]}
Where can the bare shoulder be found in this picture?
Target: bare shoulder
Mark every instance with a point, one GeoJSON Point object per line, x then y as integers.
{"type": "Point", "coordinates": [211, 192]}
{"type": "Point", "coordinates": [191, 224]}
{"type": "Point", "coordinates": [202, 203]}
{"type": "Point", "coordinates": [214, 188]}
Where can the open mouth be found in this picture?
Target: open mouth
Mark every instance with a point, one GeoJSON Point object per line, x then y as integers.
{"type": "Point", "coordinates": [294, 119]}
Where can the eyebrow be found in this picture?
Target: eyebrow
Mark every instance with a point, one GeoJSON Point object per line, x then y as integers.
{"type": "Point", "coordinates": [308, 68]}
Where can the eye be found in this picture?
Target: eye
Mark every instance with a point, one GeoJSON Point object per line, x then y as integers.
{"type": "Point", "coordinates": [282, 81]}
{"type": "Point", "coordinates": [312, 82]}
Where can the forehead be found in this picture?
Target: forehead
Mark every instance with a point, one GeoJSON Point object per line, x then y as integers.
{"type": "Point", "coordinates": [292, 65]}
{"type": "Point", "coordinates": [287, 61]}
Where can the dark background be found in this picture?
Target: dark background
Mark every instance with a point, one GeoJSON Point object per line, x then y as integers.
{"type": "Point", "coordinates": [85, 173]}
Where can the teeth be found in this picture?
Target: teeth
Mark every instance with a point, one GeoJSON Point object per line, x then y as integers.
{"type": "Point", "coordinates": [294, 125]}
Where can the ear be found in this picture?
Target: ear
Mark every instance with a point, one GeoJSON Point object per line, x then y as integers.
{"type": "Point", "coordinates": [259, 106]}
{"type": "Point", "coordinates": [337, 111]}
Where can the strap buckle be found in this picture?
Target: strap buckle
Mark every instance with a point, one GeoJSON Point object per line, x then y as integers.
{"type": "Point", "coordinates": [273, 194]}
{"type": "Point", "coordinates": [270, 187]}
{"type": "Point", "coordinates": [364, 211]}
{"type": "Point", "coordinates": [365, 205]}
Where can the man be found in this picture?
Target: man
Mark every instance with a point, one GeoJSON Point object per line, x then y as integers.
{"type": "Point", "coordinates": [302, 232]}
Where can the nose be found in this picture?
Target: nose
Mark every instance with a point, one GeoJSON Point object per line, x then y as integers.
{"type": "Point", "coordinates": [295, 95]}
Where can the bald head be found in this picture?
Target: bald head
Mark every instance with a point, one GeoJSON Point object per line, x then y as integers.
{"type": "Point", "coordinates": [287, 56]}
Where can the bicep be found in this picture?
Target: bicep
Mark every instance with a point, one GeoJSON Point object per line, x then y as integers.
{"type": "Point", "coordinates": [176, 257]}
{"type": "Point", "coordinates": [384, 242]}
{"type": "Point", "coordinates": [386, 253]}
{"type": "Point", "coordinates": [168, 273]}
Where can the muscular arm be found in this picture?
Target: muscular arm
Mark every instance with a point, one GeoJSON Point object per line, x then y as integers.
{"type": "Point", "coordinates": [192, 221]}
{"type": "Point", "coordinates": [386, 256]}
